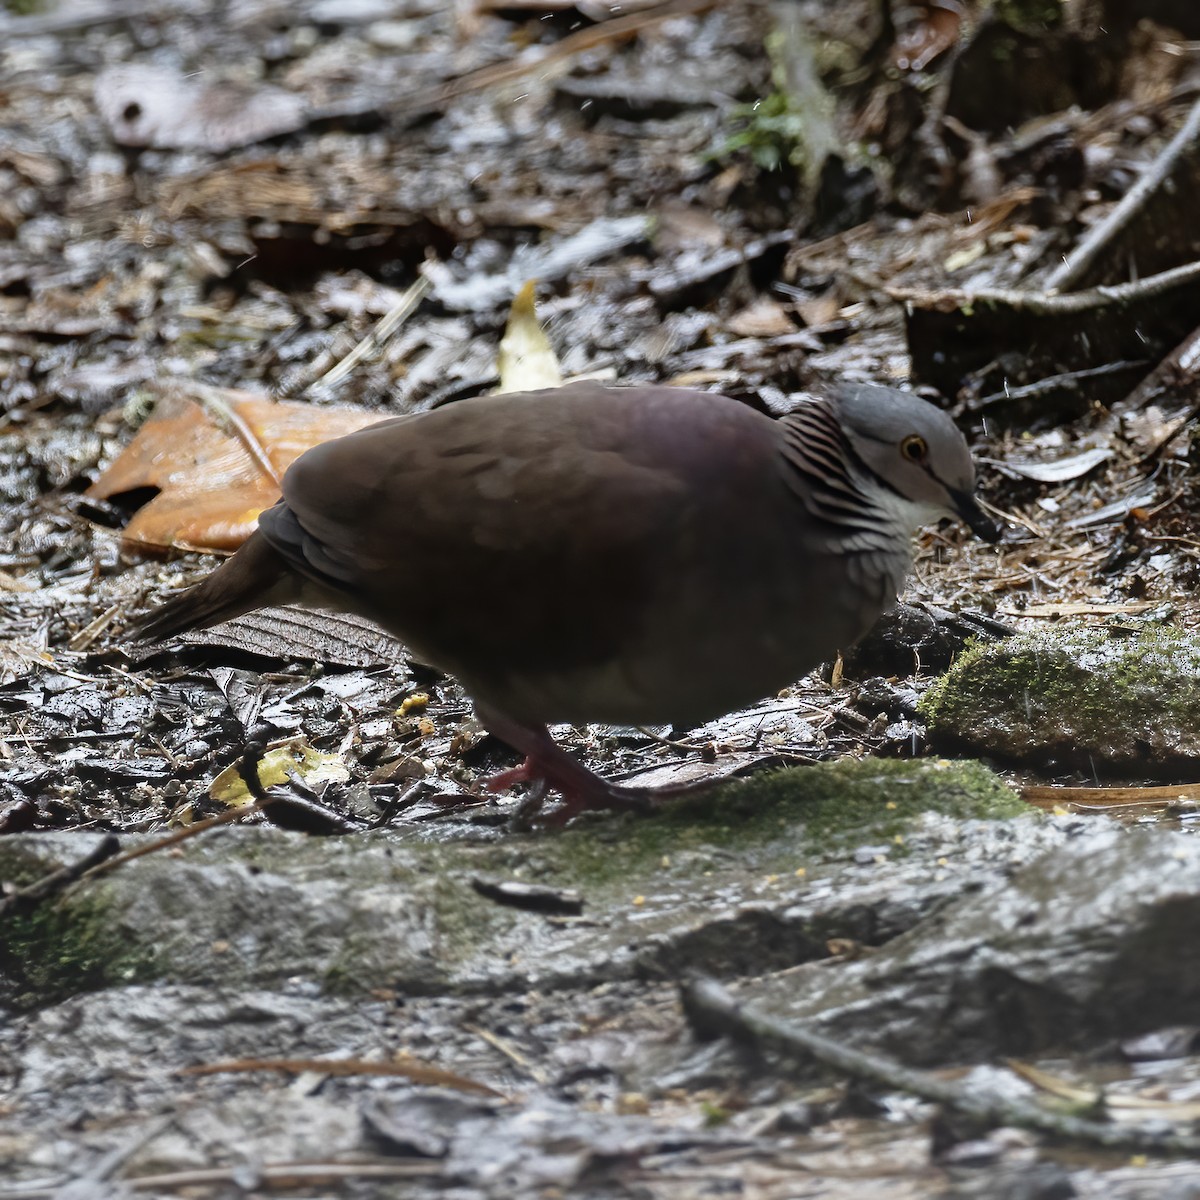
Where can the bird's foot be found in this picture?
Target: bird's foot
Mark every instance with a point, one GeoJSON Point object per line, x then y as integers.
{"type": "Point", "coordinates": [547, 766]}
{"type": "Point", "coordinates": [581, 790]}
{"type": "Point", "coordinates": [503, 780]}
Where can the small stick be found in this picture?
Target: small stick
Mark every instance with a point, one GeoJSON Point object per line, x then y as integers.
{"type": "Point", "coordinates": [253, 751]}
{"type": "Point", "coordinates": [56, 881]}
{"type": "Point", "coordinates": [384, 328]}
{"type": "Point", "coordinates": [1165, 170]}
{"type": "Point", "coordinates": [711, 1010]}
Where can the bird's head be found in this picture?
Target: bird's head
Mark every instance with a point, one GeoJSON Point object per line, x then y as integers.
{"type": "Point", "coordinates": [916, 452]}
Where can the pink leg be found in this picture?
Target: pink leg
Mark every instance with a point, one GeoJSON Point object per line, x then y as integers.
{"type": "Point", "coordinates": [547, 763]}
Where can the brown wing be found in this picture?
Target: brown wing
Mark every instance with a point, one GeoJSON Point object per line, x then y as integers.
{"type": "Point", "coordinates": [506, 530]}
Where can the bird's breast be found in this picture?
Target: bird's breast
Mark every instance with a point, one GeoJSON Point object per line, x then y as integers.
{"type": "Point", "coordinates": [700, 651]}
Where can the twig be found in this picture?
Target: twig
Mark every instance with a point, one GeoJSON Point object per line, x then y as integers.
{"type": "Point", "coordinates": [628, 26]}
{"type": "Point", "coordinates": [173, 839]}
{"type": "Point", "coordinates": [90, 632]}
{"type": "Point", "coordinates": [1081, 261]}
{"type": "Point", "coordinates": [211, 399]}
{"type": "Point", "coordinates": [384, 328]}
{"type": "Point", "coordinates": [674, 743]}
{"type": "Point", "coordinates": [1173, 373]}
{"type": "Point", "coordinates": [1051, 304]}
{"type": "Point", "coordinates": [273, 1176]}
{"type": "Point", "coordinates": [252, 752]}
{"type": "Point", "coordinates": [711, 1010]}
{"type": "Point", "coordinates": [248, 769]}
{"type": "Point", "coordinates": [104, 1168]}
{"type": "Point", "coordinates": [56, 881]}
{"type": "Point", "coordinates": [216, 402]}
{"type": "Point", "coordinates": [1052, 383]}
{"type": "Point", "coordinates": [510, 1051]}
{"type": "Point", "coordinates": [548, 262]}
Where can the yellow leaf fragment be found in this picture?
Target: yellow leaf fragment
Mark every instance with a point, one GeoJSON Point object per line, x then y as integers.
{"type": "Point", "coordinates": [278, 765]}
{"type": "Point", "coordinates": [526, 360]}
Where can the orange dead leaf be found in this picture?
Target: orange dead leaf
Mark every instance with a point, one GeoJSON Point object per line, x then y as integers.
{"type": "Point", "coordinates": [216, 464]}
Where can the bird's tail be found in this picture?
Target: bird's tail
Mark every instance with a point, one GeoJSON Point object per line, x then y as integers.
{"type": "Point", "coordinates": [254, 577]}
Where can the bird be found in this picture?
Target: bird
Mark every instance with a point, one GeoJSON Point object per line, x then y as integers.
{"type": "Point", "coordinates": [631, 555]}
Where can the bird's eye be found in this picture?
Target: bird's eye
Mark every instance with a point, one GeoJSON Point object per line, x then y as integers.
{"type": "Point", "coordinates": [914, 448]}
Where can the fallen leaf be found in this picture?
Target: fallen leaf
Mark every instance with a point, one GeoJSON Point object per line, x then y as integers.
{"type": "Point", "coordinates": [215, 473]}
{"type": "Point", "coordinates": [764, 318]}
{"type": "Point", "coordinates": [145, 105]}
{"type": "Point", "coordinates": [1161, 795]}
{"type": "Point", "coordinates": [1118, 510]}
{"type": "Point", "coordinates": [526, 360]}
{"type": "Point", "coordinates": [819, 310]}
{"type": "Point", "coordinates": [1059, 471]}
{"type": "Point", "coordinates": [1116, 1104]}
{"type": "Point", "coordinates": [965, 256]}
{"type": "Point", "coordinates": [280, 763]}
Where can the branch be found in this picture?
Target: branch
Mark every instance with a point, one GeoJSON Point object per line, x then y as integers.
{"type": "Point", "coordinates": [711, 1010]}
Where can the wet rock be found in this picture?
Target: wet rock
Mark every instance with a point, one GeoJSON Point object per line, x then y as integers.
{"type": "Point", "coordinates": [425, 1123]}
{"type": "Point", "coordinates": [119, 1053]}
{"type": "Point", "coordinates": [757, 877]}
{"type": "Point", "coordinates": [1091, 942]}
{"type": "Point", "coordinates": [1028, 1181]}
{"type": "Point", "coordinates": [1090, 698]}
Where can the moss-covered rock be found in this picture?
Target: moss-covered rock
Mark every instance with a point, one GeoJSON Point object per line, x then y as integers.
{"type": "Point", "coordinates": [744, 875]}
{"type": "Point", "coordinates": [1092, 698]}
{"type": "Point", "coordinates": [773, 818]}
{"type": "Point", "coordinates": [56, 949]}
{"type": "Point", "coordinates": [60, 946]}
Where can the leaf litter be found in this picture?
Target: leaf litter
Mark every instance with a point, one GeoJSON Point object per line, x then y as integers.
{"type": "Point", "coordinates": [189, 265]}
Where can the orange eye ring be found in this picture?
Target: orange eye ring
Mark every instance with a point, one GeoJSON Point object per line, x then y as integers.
{"type": "Point", "coordinates": [914, 448]}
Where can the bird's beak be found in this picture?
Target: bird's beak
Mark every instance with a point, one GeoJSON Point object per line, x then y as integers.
{"type": "Point", "coordinates": [966, 507]}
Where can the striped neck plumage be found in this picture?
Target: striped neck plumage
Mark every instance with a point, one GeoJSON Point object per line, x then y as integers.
{"type": "Point", "coordinates": [836, 487]}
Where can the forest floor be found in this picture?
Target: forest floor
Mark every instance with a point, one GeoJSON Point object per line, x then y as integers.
{"type": "Point", "coordinates": [208, 202]}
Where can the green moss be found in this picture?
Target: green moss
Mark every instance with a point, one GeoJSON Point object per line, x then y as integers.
{"type": "Point", "coordinates": [714, 1114]}
{"type": "Point", "coordinates": [60, 948]}
{"type": "Point", "coordinates": [1091, 691]}
{"type": "Point", "coordinates": [793, 125]}
{"type": "Point", "coordinates": [840, 801]}
{"type": "Point", "coordinates": [361, 912]}
{"type": "Point", "coordinates": [772, 130]}
{"type": "Point", "coordinates": [774, 820]}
